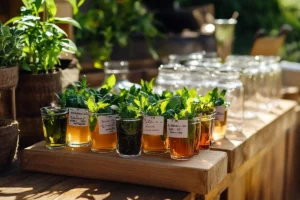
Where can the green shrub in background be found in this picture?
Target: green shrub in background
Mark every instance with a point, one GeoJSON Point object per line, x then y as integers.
{"type": "Point", "coordinates": [114, 22]}
{"type": "Point", "coordinates": [255, 14]}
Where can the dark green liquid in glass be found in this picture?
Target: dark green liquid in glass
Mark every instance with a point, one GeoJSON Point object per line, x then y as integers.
{"type": "Point", "coordinates": [55, 130]}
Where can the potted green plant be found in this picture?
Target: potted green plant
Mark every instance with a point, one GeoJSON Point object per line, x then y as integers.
{"type": "Point", "coordinates": [207, 111]}
{"type": "Point", "coordinates": [74, 98]}
{"type": "Point", "coordinates": [102, 105]}
{"type": "Point", "coordinates": [10, 54]}
{"type": "Point", "coordinates": [218, 100]}
{"type": "Point", "coordinates": [108, 25]}
{"type": "Point", "coordinates": [155, 138]}
{"type": "Point", "coordinates": [183, 124]}
{"type": "Point", "coordinates": [43, 41]}
{"type": "Point", "coordinates": [129, 124]}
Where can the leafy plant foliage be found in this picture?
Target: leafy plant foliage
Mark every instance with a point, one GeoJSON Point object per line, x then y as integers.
{"type": "Point", "coordinates": [10, 46]}
{"type": "Point", "coordinates": [43, 41]}
{"type": "Point", "coordinates": [114, 22]}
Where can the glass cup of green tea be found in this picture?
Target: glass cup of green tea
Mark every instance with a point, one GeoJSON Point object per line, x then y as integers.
{"type": "Point", "coordinates": [54, 126]}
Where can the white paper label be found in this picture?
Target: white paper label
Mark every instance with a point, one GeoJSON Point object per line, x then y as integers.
{"type": "Point", "coordinates": [177, 128]}
{"type": "Point", "coordinates": [107, 124]}
{"type": "Point", "coordinates": [220, 113]}
{"type": "Point", "coordinates": [153, 125]}
{"type": "Point", "coordinates": [78, 117]}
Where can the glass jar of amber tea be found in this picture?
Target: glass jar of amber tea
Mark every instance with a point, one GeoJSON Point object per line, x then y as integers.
{"type": "Point", "coordinates": [54, 126]}
{"type": "Point", "coordinates": [155, 140]}
{"type": "Point", "coordinates": [103, 132]}
{"type": "Point", "coordinates": [78, 134]}
{"type": "Point", "coordinates": [207, 125]}
{"type": "Point", "coordinates": [219, 130]}
{"type": "Point", "coordinates": [181, 135]}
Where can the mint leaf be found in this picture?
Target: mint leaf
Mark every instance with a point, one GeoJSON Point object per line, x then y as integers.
{"type": "Point", "coordinates": [109, 83]}
{"type": "Point", "coordinates": [92, 106]}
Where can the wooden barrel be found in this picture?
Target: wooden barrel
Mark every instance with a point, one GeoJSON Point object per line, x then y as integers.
{"type": "Point", "coordinates": [8, 142]}
{"type": "Point", "coordinates": [33, 93]}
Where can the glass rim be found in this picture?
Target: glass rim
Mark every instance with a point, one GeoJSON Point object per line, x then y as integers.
{"type": "Point", "coordinates": [101, 114]}
{"type": "Point", "coordinates": [171, 67]}
{"type": "Point", "coordinates": [115, 62]}
{"type": "Point", "coordinates": [225, 21]}
{"type": "Point", "coordinates": [61, 111]}
{"type": "Point", "coordinates": [128, 119]}
{"type": "Point", "coordinates": [189, 120]}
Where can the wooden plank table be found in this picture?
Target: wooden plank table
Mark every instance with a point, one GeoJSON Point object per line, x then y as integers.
{"type": "Point", "coordinates": [258, 163]}
{"type": "Point", "coordinates": [17, 184]}
{"type": "Point", "coordinates": [258, 157]}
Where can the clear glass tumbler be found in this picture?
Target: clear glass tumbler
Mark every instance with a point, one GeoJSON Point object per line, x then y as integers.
{"type": "Point", "coordinates": [103, 132]}
{"type": "Point", "coordinates": [54, 126]}
{"type": "Point", "coordinates": [129, 134]}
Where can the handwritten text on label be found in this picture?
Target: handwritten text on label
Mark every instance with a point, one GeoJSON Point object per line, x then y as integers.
{"type": "Point", "coordinates": [153, 125]}
{"type": "Point", "coordinates": [78, 117]}
{"type": "Point", "coordinates": [220, 113]}
{"type": "Point", "coordinates": [107, 124]}
{"type": "Point", "coordinates": [177, 128]}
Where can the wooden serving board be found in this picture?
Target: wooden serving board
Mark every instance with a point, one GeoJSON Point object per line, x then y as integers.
{"type": "Point", "coordinates": [199, 174]}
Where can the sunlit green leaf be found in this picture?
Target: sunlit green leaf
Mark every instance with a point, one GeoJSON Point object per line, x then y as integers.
{"type": "Point", "coordinates": [67, 20]}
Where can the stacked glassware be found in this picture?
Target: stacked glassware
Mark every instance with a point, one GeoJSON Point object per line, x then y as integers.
{"type": "Point", "coordinates": [253, 83]}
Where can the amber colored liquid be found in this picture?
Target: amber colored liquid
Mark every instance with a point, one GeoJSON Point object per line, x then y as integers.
{"type": "Point", "coordinates": [197, 138]}
{"type": "Point", "coordinates": [220, 128]}
{"type": "Point", "coordinates": [155, 144]}
{"type": "Point", "coordinates": [181, 148]}
{"type": "Point", "coordinates": [78, 135]}
{"type": "Point", "coordinates": [206, 134]}
{"type": "Point", "coordinates": [103, 142]}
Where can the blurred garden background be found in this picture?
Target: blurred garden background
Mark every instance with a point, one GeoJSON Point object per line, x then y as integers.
{"type": "Point", "coordinates": [256, 14]}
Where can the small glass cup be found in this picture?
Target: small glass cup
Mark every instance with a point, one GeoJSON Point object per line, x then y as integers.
{"type": "Point", "coordinates": [78, 135]}
{"type": "Point", "coordinates": [224, 34]}
{"type": "Point", "coordinates": [103, 132]}
{"type": "Point", "coordinates": [156, 143]}
{"type": "Point", "coordinates": [54, 126]}
{"type": "Point", "coordinates": [182, 148]}
{"type": "Point", "coordinates": [197, 136]}
{"type": "Point", "coordinates": [219, 130]}
{"type": "Point", "coordinates": [207, 124]}
{"type": "Point", "coordinates": [129, 134]}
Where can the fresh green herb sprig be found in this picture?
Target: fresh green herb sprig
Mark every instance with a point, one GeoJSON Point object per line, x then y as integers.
{"type": "Point", "coordinates": [76, 95]}
{"type": "Point", "coordinates": [211, 100]}
{"type": "Point", "coordinates": [129, 105]}
{"type": "Point", "coordinates": [94, 108]}
{"type": "Point", "coordinates": [180, 106]}
{"type": "Point", "coordinates": [218, 98]}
